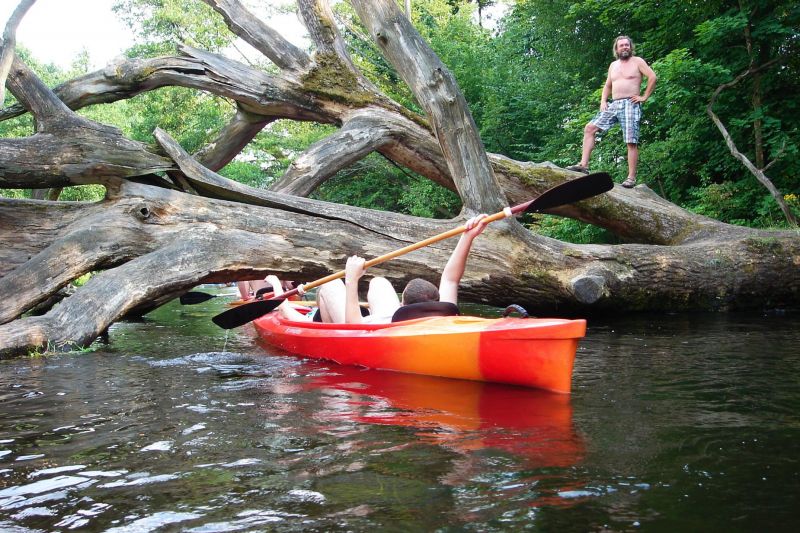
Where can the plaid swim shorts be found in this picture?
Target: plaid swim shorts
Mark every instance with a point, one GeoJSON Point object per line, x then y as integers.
{"type": "Point", "coordinates": [626, 113]}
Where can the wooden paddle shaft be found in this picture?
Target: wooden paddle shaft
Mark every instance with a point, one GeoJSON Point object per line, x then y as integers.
{"type": "Point", "coordinates": [505, 213]}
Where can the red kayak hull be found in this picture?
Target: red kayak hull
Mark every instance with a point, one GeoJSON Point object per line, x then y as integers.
{"type": "Point", "coordinates": [532, 352]}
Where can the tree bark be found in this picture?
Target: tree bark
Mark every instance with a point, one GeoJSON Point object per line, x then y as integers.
{"type": "Point", "coordinates": [170, 222]}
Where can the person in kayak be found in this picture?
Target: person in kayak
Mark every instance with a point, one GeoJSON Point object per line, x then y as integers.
{"type": "Point", "coordinates": [338, 301]}
{"type": "Point", "coordinates": [248, 288]}
{"type": "Point", "coordinates": [254, 288]}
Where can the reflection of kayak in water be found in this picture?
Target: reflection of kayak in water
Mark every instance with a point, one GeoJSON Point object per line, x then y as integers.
{"type": "Point", "coordinates": [461, 415]}
{"type": "Point", "coordinates": [523, 351]}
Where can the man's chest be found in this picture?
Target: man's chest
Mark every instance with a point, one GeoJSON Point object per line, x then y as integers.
{"type": "Point", "coordinates": [624, 71]}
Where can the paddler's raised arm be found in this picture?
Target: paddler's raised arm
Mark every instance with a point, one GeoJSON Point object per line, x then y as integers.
{"type": "Point", "coordinates": [454, 269]}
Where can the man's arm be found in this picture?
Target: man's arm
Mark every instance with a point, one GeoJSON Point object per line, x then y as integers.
{"type": "Point", "coordinates": [650, 74]}
{"type": "Point", "coordinates": [606, 91]}
{"type": "Point", "coordinates": [454, 269]}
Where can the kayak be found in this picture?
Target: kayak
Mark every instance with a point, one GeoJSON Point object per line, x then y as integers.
{"type": "Point", "coordinates": [533, 352]}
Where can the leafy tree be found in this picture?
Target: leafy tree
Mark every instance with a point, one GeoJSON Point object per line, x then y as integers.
{"type": "Point", "coordinates": [162, 24]}
{"type": "Point", "coordinates": [556, 55]}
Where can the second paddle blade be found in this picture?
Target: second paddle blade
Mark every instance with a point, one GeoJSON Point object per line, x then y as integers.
{"type": "Point", "coordinates": [191, 298]}
{"type": "Point", "coordinates": [572, 191]}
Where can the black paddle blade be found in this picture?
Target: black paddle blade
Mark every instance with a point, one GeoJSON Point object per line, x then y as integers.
{"type": "Point", "coordinates": [242, 314]}
{"type": "Point", "coordinates": [572, 191]}
{"type": "Point", "coordinates": [191, 298]}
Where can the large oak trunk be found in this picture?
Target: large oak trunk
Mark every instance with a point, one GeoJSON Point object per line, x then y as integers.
{"type": "Point", "coordinates": [170, 222]}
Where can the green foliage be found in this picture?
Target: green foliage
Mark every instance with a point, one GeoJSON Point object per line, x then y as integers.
{"type": "Point", "coordinates": [376, 184]}
{"type": "Point", "coordinates": [81, 281]}
{"type": "Point", "coordinates": [742, 203]}
{"type": "Point", "coordinates": [163, 23]}
{"type": "Point", "coordinates": [555, 57]}
{"type": "Point", "coordinates": [271, 152]}
{"type": "Point", "coordinates": [14, 194]}
{"type": "Point", "coordinates": [193, 118]}
{"type": "Point", "coordinates": [423, 198]}
{"type": "Point", "coordinates": [83, 193]}
{"type": "Point", "coordinates": [568, 230]}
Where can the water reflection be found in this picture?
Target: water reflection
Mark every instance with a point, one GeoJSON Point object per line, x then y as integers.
{"type": "Point", "coordinates": [463, 416]}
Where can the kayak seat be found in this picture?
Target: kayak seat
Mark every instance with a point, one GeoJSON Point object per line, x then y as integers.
{"type": "Point", "coordinates": [425, 309]}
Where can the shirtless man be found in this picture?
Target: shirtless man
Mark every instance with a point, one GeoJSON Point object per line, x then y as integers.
{"type": "Point", "coordinates": [624, 84]}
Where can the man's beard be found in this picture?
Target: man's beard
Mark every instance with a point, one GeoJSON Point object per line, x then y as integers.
{"type": "Point", "coordinates": [625, 54]}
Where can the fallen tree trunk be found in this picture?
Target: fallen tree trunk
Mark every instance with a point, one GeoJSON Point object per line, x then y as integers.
{"type": "Point", "coordinates": [167, 251]}
{"type": "Point", "coordinates": [169, 222]}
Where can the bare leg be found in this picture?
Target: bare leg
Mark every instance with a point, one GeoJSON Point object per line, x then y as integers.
{"type": "Point", "coordinates": [382, 298]}
{"type": "Point", "coordinates": [244, 289]}
{"type": "Point", "coordinates": [588, 143]}
{"type": "Point", "coordinates": [331, 299]}
{"type": "Point", "coordinates": [633, 159]}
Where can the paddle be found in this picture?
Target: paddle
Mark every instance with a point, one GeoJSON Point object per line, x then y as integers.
{"type": "Point", "coordinates": [566, 193]}
{"type": "Point", "coordinates": [196, 297]}
{"type": "Point", "coordinates": [191, 298]}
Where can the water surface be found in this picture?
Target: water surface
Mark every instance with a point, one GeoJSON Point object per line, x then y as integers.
{"type": "Point", "coordinates": [675, 422]}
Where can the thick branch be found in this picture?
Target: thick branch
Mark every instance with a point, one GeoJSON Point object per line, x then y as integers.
{"type": "Point", "coordinates": [260, 36]}
{"type": "Point", "coordinates": [100, 243]}
{"type": "Point", "coordinates": [232, 139]}
{"type": "Point", "coordinates": [107, 297]}
{"type": "Point", "coordinates": [76, 154]}
{"type": "Point", "coordinates": [47, 110]}
{"type": "Point", "coordinates": [231, 240]}
{"type": "Point", "coordinates": [436, 90]}
{"type": "Point", "coordinates": [321, 26]}
{"type": "Point", "coordinates": [255, 91]}
{"type": "Point", "coordinates": [212, 184]}
{"type": "Point", "coordinates": [360, 136]}
{"type": "Point", "coordinates": [9, 43]}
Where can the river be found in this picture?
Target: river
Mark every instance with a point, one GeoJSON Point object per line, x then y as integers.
{"type": "Point", "coordinates": [675, 422]}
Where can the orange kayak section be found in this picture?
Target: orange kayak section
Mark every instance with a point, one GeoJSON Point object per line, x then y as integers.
{"type": "Point", "coordinates": [532, 352]}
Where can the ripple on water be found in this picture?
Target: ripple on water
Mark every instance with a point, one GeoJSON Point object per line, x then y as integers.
{"type": "Point", "coordinates": [159, 446]}
{"type": "Point", "coordinates": [245, 521]}
{"type": "Point", "coordinates": [45, 485]}
{"type": "Point", "coordinates": [154, 522]}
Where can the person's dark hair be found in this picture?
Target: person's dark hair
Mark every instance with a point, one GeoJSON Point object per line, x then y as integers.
{"type": "Point", "coordinates": [419, 290]}
{"type": "Point", "coordinates": [614, 46]}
